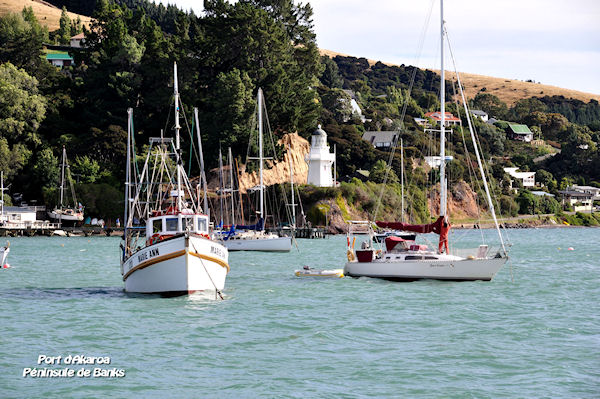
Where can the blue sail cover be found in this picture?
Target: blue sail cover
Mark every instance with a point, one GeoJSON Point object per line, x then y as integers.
{"type": "Point", "coordinates": [258, 226]}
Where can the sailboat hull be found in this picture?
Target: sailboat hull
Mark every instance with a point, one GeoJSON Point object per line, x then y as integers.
{"type": "Point", "coordinates": [180, 265]}
{"type": "Point", "coordinates": [265, 244]}
{"type": "Point", "coordinates": [454, 270]}
{"type": "Point", "coordinates": [74, 218]}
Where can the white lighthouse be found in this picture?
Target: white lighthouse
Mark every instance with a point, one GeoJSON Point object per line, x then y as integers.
{"type": "Point", "coordinates": [320, 160]}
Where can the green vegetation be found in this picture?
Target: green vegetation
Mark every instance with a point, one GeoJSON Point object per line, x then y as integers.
{"type": "Point", "coordinates": [223, 57]}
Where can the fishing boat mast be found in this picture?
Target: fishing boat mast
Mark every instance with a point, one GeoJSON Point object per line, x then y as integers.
{"type": "Point", "coordinates": [177, 141]}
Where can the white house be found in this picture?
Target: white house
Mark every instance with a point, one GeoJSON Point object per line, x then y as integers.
{"type": "Point", "coordinates": [480, 114]}
{"type": "Point", "coordinates": [579, 201]}
{"type": "Point", "coordinates": [320, 160]}
{"type": "Point", "coordinates": [594, 191]}
{"type": "Point", "coordinates": [527, 178]}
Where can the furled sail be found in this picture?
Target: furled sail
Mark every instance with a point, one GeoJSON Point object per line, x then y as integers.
{"type": "Point", "coordinates": [441, 226]}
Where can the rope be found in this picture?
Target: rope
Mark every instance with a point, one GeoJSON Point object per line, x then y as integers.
{"type": "Point", "coordinates": [218, 293]}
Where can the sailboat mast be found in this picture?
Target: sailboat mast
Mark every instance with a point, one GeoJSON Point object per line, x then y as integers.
{"type": "Point", "coordinates": [62, 177]}
{"type": "Point", "coordinates": [230, 159]}
{"type": "Point", "coordinates": [127, 181]}
{"type": "Point", "coordinates": [260, 153]}
{"type": "Point", "coordinates": [402, 179]}
{"type": "Point", "coordinates": [221, 185]}
{"type": "Point", "coordinates": [202, 173]}
{"type": "Point", "coordinates": [177, 142]}
{"type": "Point", "coordinates": [443, 183]}
{"type": "Point", "coordinates": [2, 199]}
{"type": "Point", "coordinates": [292, 183]}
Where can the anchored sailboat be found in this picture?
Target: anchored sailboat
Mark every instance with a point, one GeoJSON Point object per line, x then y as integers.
{"type": "Point", "coordinates": [172, 253]}
{"type": "Point", "coordinates": [63, 213]}
{"type": "Point", "coordinates": [254, 237]}
{"type": "Point", "coordinates": [404, 260]}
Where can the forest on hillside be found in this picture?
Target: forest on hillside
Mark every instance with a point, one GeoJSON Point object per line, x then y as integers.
{"type": "Point", "coordinates": [223, 57]}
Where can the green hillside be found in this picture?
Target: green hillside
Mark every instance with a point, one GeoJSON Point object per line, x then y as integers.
{"type": "Point", "coordinates": [223, 57]}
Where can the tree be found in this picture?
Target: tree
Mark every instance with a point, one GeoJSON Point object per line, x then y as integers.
{"type": "Point", "coordinates": [378, 171]}
{"type": "Point", "coordinates": [490, 104]}
{"type": "Point", "coordinates": [22, 108]}
{"type": "Point", "coordinates": [64, 31]}
{"type": "Point", "coordinates": [12, 159]}
{"type": "Point", "coordinates": [331, 74]}
{"type": "Point", "coordinates": [21, 40]}
{"type": "Point", "coordinates": [46, 168]}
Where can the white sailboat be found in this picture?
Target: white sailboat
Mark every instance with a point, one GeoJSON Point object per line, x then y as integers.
{"type": "Point", "coordinates": [404, 260]}
{"type": "Point", "coordinates": [254, 237]}
{"type": "Point", "coordinates": [67, 215]}
{"type": "Point", "coordinates": [176, 255]}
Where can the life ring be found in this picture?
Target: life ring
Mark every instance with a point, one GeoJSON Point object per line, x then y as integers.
{"type": "Point", "coordinates": [350, 256]}
{"type": "Point", "coordinates": [155, 238]}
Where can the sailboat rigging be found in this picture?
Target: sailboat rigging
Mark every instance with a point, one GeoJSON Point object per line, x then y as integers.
{"type": "Point", "coordinates": [63, 212]}
{"type": "Point", "coordinates": [173, 253]}
{"type": "Point", "coordinates": [403, 259]}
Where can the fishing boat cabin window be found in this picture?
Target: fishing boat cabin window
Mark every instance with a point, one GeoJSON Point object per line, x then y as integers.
{"type": "Point", "coordinates": [171, 224]}
{"type": "Point", "coordinates": [202, 225]}
{"type": "Point", "coordinates": [156, 226]}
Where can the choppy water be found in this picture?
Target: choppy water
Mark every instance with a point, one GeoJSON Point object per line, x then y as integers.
{"type": "Point", "coordinates": [276, 335]}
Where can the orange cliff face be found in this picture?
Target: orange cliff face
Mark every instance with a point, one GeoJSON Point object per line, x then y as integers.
{"type": "Point", "coordinates": [275, 172]}
{"type": "Point", "coordinates": [279, 171]}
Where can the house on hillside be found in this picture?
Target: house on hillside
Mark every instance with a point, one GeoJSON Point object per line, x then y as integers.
{"type": "Point", "coordinates": [527, 178]}
{"type": "Point", "coordinates": [78, 41]}
{"type": "Point", "coordinates": [450, 120]}
{"type": "Point", "coordinates": [593, 191]}
{"type": "Point", "coordinates": [59, 59]}
{"type": "Point", "coordinates": [519, 132]}
{"type": "Point", "coordinates": [480, 114]}
{"type": "Point", "coordinates": [422, 122]}
{"type": "Point", "coordinates": [577, 200]}
{"type": "Point", "coordinates": [382, 140]}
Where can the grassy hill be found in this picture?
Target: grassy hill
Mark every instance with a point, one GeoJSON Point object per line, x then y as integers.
{"type": "Point", "coordinates": [47, 14]}
{"type": "Point", "coordinates": [508, 90]}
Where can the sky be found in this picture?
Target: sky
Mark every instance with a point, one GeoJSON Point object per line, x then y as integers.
{"type": "Point", "coordinates": [555, 42]}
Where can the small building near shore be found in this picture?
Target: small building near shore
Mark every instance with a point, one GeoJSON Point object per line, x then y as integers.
{"type": "Point", "coordinates": [449, 119]}
{"type": "Point", "coordinates": [480, 114]}
{"type": "Point", "coordinates": [21, 215]}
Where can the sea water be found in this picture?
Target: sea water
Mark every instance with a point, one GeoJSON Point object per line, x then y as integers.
{"type": "Point", "coordinates": [532, 332]}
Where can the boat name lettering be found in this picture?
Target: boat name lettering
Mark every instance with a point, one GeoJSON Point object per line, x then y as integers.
{"type": "Point", "coordinates": [217, 251]}
{"type": "Point", "coordinates": [436, 265]}
{"type": "Point", "coordinates": [148, 254]}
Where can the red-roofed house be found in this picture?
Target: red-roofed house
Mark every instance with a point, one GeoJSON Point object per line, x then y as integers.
{"type": "Point", "coordinates": [449, 119]}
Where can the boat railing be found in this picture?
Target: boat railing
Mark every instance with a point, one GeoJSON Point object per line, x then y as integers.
{"type": "Point", "coordinates": [480, 252]}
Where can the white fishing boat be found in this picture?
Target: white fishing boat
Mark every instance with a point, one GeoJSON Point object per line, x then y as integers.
{"type": "Point", "coordinates": [173, 254]}
{"type": "Point", "coordinates": [405, 260]}
{"type": "Point", "coordinates": [254, 237]}
{"type": "Point", "coordinates": [63, 213]}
